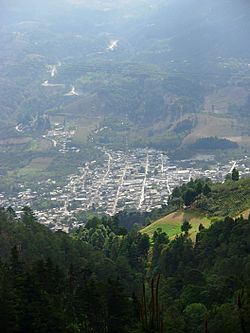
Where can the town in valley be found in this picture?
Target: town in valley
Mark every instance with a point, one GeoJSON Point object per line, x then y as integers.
{"type": "Point", "coordinates": [132, 180]}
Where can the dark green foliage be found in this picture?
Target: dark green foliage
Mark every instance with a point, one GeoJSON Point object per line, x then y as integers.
{"type": "Point", "coordinates": [235, 175]}
{"type": "Point", "coordinates": [208, 284]}
{"type": "Point", "coordinates": [99, 281]}
{"type": "Point", "coordinates": [186, 226]}
{"type": "Point", "coordinates": [184, 126]}
{"type": "Point", "coordinates": [107, 235]}
{"type": "Point", "coordinates": [188, 193]}
{"type": "Point", "coordinates": [220, 199]}
{"type": "Point", "coordinates": [189, 197]}
{"type": "Point", "coordinates": [230, 198]}
{"type": "Point", "coordinates": [160, 241]}
{"type": "Point", "coordinates": [201, 227]}
{"type": "Point", "coordinates": [194, 315]}
{"type": "Point", "coordinates": [213, 143]}
{"type": "Point", "coordinates": [132, 219]}
{"type": "Point", "coordinates": [77, 289]}
{"type": "Point", "coordinates": [206, 190]}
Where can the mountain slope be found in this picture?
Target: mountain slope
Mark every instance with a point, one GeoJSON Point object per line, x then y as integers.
{"type": "Point", "coordinates": [171, 224]}
{"type": "Point", "coordinates": [228, 199]}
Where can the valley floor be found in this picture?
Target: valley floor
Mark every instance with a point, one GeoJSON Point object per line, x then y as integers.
{"type": "Point", "coordinates": [139, 179]}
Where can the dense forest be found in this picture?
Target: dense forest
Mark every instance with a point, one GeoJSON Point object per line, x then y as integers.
{"type": "Point", "coordinates": [102, 278]}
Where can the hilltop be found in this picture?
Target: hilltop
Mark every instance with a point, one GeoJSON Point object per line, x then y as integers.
{"type": "Point", "coordinates": [231, 198]}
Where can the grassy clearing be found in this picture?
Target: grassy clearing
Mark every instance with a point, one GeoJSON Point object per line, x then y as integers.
{"type": "Point", "coordinates": [84, 128]}
{"type": "Point", "coordinates": [221, 100]}
{"type": "Point", "coordinates": [227, 199]}
{"type": "Point", "coordinates": [214, 120]}
{"type": "Point", "coordinates": [171, 224]}
{"type": "Point", "coordinates": [39, 145]}
{"type": "Point", "coordinates": [215, 125]}
{"type": "Point", "coordinates": [15, 141]}
{"type": "Point", "coordinates": [36, 166]}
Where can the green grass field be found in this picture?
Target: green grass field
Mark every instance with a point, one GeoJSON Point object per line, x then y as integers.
{"type": "Point", "coordinates": [36, 166]}
{"type": "Point", "coordinates": [83, 129]}
{"type": "Point", "coordinates": [171, 224]}
{"type": "Point", "coordinates": [39, 145]}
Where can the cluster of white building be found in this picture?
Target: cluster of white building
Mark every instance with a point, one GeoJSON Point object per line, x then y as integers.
{"type": "Point", "coordinates": [135, 180]}
{"type": "Point", "coordinates": [62, 138]}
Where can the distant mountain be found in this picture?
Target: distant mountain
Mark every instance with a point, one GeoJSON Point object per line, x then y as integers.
{"type": "Point", "coordinates": [163, 74]}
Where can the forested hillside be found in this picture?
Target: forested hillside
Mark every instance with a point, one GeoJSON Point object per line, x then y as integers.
{"type": "Point", "coordinates": [200, 202]}
{"type": "Point", "coordinates": [102, 279]}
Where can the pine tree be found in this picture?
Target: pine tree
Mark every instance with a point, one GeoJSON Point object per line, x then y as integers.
{"type": "Point", "coordinates": [235, 175]}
